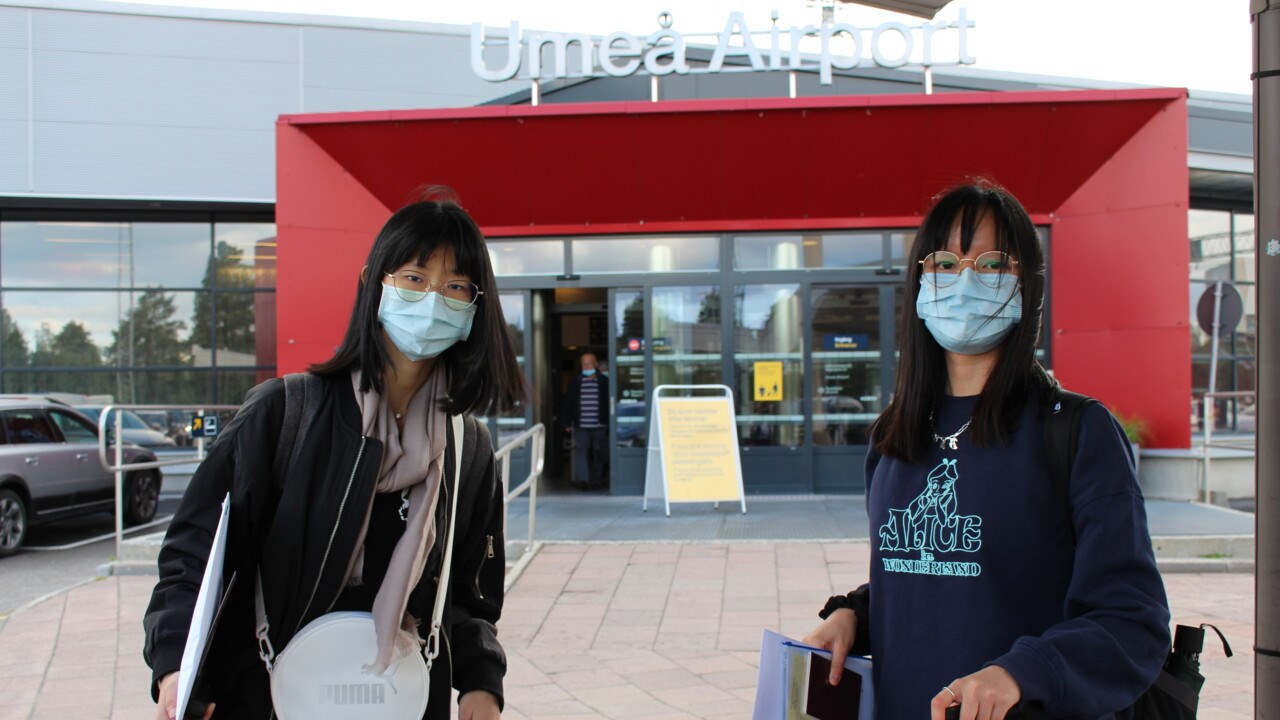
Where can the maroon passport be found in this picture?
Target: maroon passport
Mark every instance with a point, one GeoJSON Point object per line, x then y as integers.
{"type": "Point", "coordinates": [825, 702]}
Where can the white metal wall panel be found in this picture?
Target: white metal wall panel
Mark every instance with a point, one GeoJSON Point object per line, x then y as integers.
{"type": "Point", "coordinates": [14, 160]}
{"type": "Point", "coordinates": [136, 106]}
{"type": "Point", "coordinates": [155, 162]}
{"type": "Point", "coordinates": [153, 106]}
{"type": "Point", "coordinates": [349, 69]}
{"type": "Point", "coordinates": [163, 36]}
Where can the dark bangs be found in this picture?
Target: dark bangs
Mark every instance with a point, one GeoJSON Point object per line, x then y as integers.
{"type": "Point", "coordinates": [483, 374]}
{"type": "Point", "coordinates": [904, 429]}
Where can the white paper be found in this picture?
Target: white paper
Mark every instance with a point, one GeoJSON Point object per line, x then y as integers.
{"type": "Point", "coordinates": [206, 607]}
{"type": "Point", "coordinates": [771, 683]}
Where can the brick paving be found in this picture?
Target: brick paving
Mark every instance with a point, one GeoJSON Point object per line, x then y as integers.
{"type": "Point", "coordinates": [592, 631]}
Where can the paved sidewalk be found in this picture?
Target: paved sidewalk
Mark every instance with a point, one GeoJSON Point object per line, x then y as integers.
{"type": "Point", "coordinates": [592, 631]}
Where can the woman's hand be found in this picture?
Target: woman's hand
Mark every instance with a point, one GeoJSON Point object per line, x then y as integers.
{"type": "Point", "coordinates": [478, 705]}
{"type": "Point", "coordinates": [836, 634]}
{"type": "Point", "coordinates": [167, 704]}
{"type": "Point", "coordinates": [985, 695]}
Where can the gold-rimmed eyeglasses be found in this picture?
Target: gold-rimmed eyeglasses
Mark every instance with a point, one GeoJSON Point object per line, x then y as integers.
{"type": "Point", "coordinates": [457, 294]}
{"type": "Point", "coordinates": [942, 268]}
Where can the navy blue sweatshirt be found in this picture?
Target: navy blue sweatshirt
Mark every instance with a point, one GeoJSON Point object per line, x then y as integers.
{"type": "Point", "coordinates": [972, 565]}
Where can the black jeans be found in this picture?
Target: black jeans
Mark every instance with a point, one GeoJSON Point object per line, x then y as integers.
{"type": "Point", "coordinates": [591, 457]}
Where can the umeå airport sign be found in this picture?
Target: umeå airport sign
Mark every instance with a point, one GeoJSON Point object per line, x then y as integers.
{"type": "Point", "coordinates": [663, 52]}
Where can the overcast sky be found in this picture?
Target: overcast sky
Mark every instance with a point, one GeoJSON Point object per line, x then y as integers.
{"type": "Point", "coordinates": [1201, 44]}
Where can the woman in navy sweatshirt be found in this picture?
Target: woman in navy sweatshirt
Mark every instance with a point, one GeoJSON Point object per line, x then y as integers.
{"type": "Point", "coordinates": [978, 596]}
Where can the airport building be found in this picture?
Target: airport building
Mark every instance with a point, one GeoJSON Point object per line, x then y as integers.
{"type": "Point", "coordinates": [186, 197]}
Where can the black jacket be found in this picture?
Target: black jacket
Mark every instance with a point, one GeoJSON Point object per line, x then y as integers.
{"type": "Point", "coordinates": [285, 526]}
{"type": "Point", "coordinates": [571, 406]}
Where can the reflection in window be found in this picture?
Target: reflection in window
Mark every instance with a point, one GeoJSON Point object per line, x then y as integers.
{"type": "Point", "coordinates": [846, 363]}
{"type": "Point", "coordinates": [628, 336]}
{"type": "Point", "coordinates": [792, 252]}
{"type": "Point", "coordinates": [686, 335]}
{"type": "Point", "coordinates": [768, 364]}
{"type": "Point", "coordinates": [173, 295]}
{"type": "Point", "coordinates": [526, 257]}
{"type": "Point", "coordinates": [1223, 248]}
{"type": "Point", "coordinates": [1210, 235]}
{"type": "Point", "coordinates": [244, 255]}
{"type": "Point", "coordinates": [103, 254]}
{"type": "Point", "coordinates": [649, 254]}
{"type": "Point", "coordinates": [513, 316]}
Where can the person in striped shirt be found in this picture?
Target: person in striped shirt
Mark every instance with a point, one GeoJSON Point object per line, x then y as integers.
{"type": "Point", "coordinates": [586, 406]}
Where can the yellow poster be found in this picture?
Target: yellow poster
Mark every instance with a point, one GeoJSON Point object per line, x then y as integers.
{"type": "Point", "coordinates": [768, 381]}
{"type": "Point", "coordinates": [699, 449]}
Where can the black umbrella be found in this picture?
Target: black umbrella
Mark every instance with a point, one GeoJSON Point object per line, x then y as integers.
{"type": "Point", "coordinates": [1176, 692]}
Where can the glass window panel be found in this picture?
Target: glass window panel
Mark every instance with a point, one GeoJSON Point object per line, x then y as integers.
{"type": "Point", "coordinates": [189, 387]}
{"type": "Point", "coordinates": [900, 248]}
{"type": "Point", "coordinates": [120, 386]}
{"type": "Point", "coordinates": [92, 329]}
{"type": "Point", "coordinates": [767, 328]}
{"type": "Point", "coordinates": [686, 335]}
{"type": "Point", "coordinates": [846, 363]}
{"type": "Point", "coordinates": [1246, 332]}
{"type": "Point", "coordinates": [244, 256]}
{"type": "Point", "coordinates": [74, 429]}
{"type": "Point", "coordinates": [233, 385]}
{"type": "Point", "coordinates": [26, 427]}
{"type": "Point", "coordinates": [790, 252]}
{"type": "Point", "coordinates": [526, 257]}
{"type": "Point", "coordinates": [245, 329]}
{"type": "Point", "coordinates": [513, 315]}
{"type": "Point", "coordinates": [1223, 409]}
{"type": "Point", "coordinates": [1245, 242]}
{"type": "Point", "coordinates": [103, 254]}
{"type": "Point", "coordinates": [632, 413]}
{"type": "Point", "coordinates": [648, 254]}
{"type": "Point", "coordinates": [46, 254]}
{"type": "Point", "coordinates": [168, 254]}
{"type": "Point", "coordinates": [513, 307]}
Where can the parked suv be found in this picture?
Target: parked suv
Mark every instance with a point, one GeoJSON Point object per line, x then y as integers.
{"type": "Point", "coordinates": [49, 470]}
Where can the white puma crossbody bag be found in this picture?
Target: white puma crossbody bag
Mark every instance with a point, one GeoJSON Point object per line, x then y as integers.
{"type": "Point", "coordinates": [320, 673]}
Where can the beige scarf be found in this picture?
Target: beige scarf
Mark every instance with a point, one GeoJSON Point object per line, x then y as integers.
{"type": "Point", "coordinates": [415, 464]}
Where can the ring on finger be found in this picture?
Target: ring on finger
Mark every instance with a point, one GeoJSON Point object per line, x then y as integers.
{"type": "Point", "coordinates": [953, 692]}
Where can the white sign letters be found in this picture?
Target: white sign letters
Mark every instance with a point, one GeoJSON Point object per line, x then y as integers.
{"type": "Point", "coordinates": [664, 51]}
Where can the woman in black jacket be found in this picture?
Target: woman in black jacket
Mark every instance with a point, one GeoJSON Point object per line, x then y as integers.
{"type": "Point", "coordinates": [349, 519]}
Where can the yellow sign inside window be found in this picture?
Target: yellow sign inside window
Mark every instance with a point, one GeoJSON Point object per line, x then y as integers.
{"type": "Point", "coordinates": [767, 380]}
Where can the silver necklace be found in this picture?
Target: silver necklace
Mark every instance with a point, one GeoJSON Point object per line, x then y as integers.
{"type": "Point", "coordinates": [950, 440]}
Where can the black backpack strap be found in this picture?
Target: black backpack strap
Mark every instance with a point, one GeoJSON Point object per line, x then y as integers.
{"type": "Point", "coordinates": [1061, 440]}
{"type": "Point", "coordinates": [301, 400]}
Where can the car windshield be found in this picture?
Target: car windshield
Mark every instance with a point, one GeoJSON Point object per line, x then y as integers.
{"type": "Point", "coordinates": [131, 420]}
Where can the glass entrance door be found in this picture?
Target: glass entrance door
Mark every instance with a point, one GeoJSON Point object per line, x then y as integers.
{"type": "Point", "coordinates": [628, 390]}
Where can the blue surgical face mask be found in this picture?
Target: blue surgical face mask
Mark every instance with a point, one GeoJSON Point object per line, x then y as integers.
{"type": "Point", "coordinates": [590, 372]}
{"type": "Point", "coordinates": [969, 317]}
{"type": "Point", "coordinates": [425, 328]}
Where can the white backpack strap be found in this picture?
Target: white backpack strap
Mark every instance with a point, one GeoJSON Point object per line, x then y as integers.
{"type": "Point", "coordinates": [437, 614]}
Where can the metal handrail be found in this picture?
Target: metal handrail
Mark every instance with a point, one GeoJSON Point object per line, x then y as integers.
{"type": "Point", "coordinates": [119, 467]}
{"type": "Point", "coordinates": [538, 436]}
{"type": "Point", "coordinates": [1209, 421]}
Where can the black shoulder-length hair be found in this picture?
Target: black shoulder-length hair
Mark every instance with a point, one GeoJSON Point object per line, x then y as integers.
{"type": "Point", "coordinates": [905, 430]}
{"type": "Point", "coordinates": [483, 374]}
